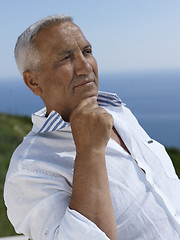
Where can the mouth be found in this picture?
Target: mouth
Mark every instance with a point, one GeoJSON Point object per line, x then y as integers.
{"type": "Point", "coordinates": [85, 83]}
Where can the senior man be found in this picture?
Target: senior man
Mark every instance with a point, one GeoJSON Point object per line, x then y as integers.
{"type": "Point", "coordinates": [87, 170]}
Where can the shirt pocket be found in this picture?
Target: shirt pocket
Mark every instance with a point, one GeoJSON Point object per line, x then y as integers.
{"type": "Point", "coordinates": [160, 152]}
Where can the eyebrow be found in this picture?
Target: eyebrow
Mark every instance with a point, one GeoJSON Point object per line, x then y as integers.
{"type": "Point", "coordinates": [88, 45]}
{"type": "Point", "coordinates": [64, 52]}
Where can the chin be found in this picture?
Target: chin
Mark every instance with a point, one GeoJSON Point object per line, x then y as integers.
{"type": "Point", "coordinates": [85, 91]}
{"type": "Point", "coordinates": [87, 94]}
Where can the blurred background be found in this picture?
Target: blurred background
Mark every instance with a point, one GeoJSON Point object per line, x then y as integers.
{"type": "Point", "coordinates": [136, 44]}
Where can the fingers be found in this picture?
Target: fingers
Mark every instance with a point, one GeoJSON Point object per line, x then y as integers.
{"type": "Point", "coordinates": [91, 125]}
{"type": "Point", "coordinates": [85, 105]}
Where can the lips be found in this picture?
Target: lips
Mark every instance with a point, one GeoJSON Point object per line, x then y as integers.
{"type": "Point", "coordinates": [84, 83]}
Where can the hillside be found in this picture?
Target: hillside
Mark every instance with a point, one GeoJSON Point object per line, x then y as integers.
{"type": "Point", "coordinates": [12, 131]}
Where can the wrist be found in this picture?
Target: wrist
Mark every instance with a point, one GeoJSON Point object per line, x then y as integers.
{"type": "Point", "coordinates": [98, 152]}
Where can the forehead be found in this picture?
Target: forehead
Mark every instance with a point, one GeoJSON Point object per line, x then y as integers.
{"type": "Point", "coordinates": [63, 36]}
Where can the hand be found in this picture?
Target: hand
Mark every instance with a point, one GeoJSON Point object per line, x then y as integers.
{"type": "Point", "coordinates": [91, 125]}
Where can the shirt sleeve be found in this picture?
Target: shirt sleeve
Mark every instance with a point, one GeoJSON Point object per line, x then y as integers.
{"type": "Point", "coordinates": [75, 226]}
{"type": "Point", "coordinates": [38, 206]}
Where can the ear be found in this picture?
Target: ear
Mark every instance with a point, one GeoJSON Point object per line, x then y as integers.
{"type": "Point", "coordinates": [31, 80]}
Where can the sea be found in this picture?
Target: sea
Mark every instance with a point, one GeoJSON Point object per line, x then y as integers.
{"type": "Point", "coordinates": [152, 96]}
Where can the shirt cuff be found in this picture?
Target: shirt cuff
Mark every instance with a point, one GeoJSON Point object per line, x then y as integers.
{"type": "Point", "coordinates": [75, 226]}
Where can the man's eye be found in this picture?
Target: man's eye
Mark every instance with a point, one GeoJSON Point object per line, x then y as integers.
{"type": "Point", "coordinates": [67, 57]}
{"type": "Point", "coordinates": [88, 51]}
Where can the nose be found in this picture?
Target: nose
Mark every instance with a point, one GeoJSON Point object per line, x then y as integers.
{"type": "Point", "coordinates": [82, 65]}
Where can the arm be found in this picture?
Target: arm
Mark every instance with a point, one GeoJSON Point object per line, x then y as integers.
{"type": "Point", "coordinates": [38, 201]}
{"type": "Point", "coordinates": [91, 128]}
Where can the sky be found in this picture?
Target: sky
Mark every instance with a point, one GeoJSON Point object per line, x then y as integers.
{"type": "Point", "coordinates": [126, 35]}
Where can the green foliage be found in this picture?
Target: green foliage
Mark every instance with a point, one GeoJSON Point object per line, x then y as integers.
{"type": "Point", "coordinates": [174, 153]}
{"type": "Point", "coordinates": [12, 131]}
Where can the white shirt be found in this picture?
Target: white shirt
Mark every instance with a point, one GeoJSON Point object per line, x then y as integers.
{"type": "Point", "coordinates": [145, 189]}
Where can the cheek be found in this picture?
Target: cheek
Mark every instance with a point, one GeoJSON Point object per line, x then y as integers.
{"type": "Point", "coordinates": [95, 70]}
{"type": "Point", "coordinates": [64, 75]}
{"type": "Point", "coordinates": [94, 66]}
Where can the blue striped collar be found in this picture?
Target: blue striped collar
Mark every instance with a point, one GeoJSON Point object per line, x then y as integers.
{"type": "Point", "coordinates": [54, 121]}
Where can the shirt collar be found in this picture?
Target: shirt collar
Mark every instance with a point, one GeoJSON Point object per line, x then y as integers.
{"type": "Point", "coordinates": [54, 121]}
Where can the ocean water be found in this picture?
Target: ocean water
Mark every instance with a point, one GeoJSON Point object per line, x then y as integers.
{"type": "Point", "coordinates": [152, 96]}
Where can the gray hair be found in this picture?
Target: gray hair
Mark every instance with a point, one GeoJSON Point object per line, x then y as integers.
{"type": "Point", "coordinates": [26, 54]}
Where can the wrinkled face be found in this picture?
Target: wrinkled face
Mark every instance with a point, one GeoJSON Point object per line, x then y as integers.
{"type": "Point", "coordinates": [68, 70]}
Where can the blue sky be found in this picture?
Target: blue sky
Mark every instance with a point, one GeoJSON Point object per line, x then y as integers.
{"type": "Point", "coordinates": [127, 35]}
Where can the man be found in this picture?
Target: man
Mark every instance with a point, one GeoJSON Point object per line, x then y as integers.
{"type": "Point", "coordinates": [87, 170]}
